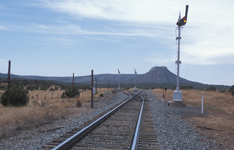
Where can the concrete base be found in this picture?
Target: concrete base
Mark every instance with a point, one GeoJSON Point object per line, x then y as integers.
{"type": "Point", "coordinates": [135, 89]}
{"type": "Point", "coordinates": [177, 96]}
{"type": "Point", "coordinates": [177, 104]}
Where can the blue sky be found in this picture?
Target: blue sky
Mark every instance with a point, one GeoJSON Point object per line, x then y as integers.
{"type": "Point", "coordinates": [61, 37]}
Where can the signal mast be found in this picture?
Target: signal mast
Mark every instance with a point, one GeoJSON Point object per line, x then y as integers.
{"type": "Point", "coordinates": [177, 94]}
{"type": "Point", "coordinates": [135, 78]}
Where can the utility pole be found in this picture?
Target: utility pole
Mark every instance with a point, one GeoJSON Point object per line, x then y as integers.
{"type": "Point", "coordinates": [8, 82]}
{"type": "Point", "coordinates": [135, 79]}
{"type": "Point", "coordinates": [95, 85]}
{"type": "Point", "coordinates": [177, 94]}
{"type": "Point", "coordinates": [91, 88]}
{"type": "Point", "coordinates": [108, 85]}
{"type": "Point", "coordinates": [119, 79]}
{"type": "Point", "coordinates": [73, 81]}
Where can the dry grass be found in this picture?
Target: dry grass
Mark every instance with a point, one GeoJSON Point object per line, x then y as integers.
{"type": "Point", "coordinates": [220, 117]}
{"type": "Point", "coordinates": [85, 96]}
{"type": "Point", "coordinates": [213, 100]}
{"type": "Point", "coordinates": [41, 109]}
{"type": "Point", "coordinates": [159, 93]}
{"type": "Point", "coordinates": [131, 89]}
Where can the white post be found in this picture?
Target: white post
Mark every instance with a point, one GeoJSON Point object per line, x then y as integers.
{"type": "Point", "coordinates": [202, 103]}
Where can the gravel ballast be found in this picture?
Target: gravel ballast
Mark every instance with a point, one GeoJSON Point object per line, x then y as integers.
{"type": "Point", "coordinates": [172, 131]}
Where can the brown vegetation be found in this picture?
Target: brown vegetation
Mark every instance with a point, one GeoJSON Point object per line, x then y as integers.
{"type": "Point", "coordinates": [213, 100]}
{"type": "Point", "coordinates": [47, 107]}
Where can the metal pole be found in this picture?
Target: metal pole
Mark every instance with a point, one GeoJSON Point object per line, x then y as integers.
{"type": "Point", "coordinates": [202, 103]}
{"type": "Point", "coordinates": [95, 85]}
{"type": "Point", "coordinates": [73, 81]}
{"type": "Point", "coordinates": [178, 58]}
{"type": "Point", "coordinates": [135, 83]}
{"type": "Point", "coordinates": [108, 85]}
{"type": "Point", "coordinates": [119, 86]}
{"type": "Point", "coordinates": [135, 79]}
{"type": "Point", "coordinates": [177, 94]}
{"type": "Point", "coordinates": [119, 79]}
{"type": "Point", "coordinates": [92, 89]}
{"type": "Point", "coordinates": [8, 83]}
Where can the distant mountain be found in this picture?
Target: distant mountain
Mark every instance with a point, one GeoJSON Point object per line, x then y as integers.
{"type": "Point", "coordinates": [155, 75]}
{"type": "Point", "coordinates": [159, 75]}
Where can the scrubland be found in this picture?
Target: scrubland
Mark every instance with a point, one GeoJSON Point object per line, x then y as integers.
{"type": "Point", "coordinates": [217, 123]}
{"type": "Point", "coordinates": [212, 100]}
{"type": "Point", "coordinates": [48, 106]}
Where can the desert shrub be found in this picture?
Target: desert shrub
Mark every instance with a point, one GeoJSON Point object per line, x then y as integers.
{"type": "Point", "coordinates": [3, 87]}
{"type": "Point", "coordinates": [114, 91]}
{"type": "Point", "coordinates": [71, 92]}
{"type": "Point", "coordinates": [231, 90]}
{"type": "Point", "coordinates": [222, 91]}
{"type": "Point", "coordinates": [45, 87]}
{"type": "Point", "coordinates": [186, 87]}
{"type": "Point", "coordinates": [51, 89]}
{"type": "Point", "coordinates": [78, 103]}
{"type": "Point", "coordinates": [211, 88]}
{"type": "Point", "coordinates": [56, 88]}
{"type": "Point", "coordinates": [64, 87]}
{"type": "Point", "coordinates": [101, 95]}
{"type": "Point", "coordinates": [32, 87]}
{"type": "Point", "coordinates": [18, 96]}
{"type": "Point", "coordinates": [84, 87]}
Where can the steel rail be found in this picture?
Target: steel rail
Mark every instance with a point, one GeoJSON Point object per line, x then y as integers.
{"type": "Point", "coordinates": [138, 127]}
{"type": "Point", "coordinates": [76, 137]}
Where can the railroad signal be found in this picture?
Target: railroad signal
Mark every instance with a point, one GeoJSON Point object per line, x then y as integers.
{"type": "Point", "coordinates": [183, 21]}
{"type": "Point", "coordinates": [177, 94]}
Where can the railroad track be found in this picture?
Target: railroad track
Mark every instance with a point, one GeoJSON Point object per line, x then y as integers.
{"type": "Point", "coordinates": [127, 126]}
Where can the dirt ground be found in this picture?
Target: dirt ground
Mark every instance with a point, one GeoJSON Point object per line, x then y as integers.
{"type": "Point", "coordinates": [215, 125]}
